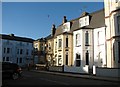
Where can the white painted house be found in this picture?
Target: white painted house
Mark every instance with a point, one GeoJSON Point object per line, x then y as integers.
{"type": "Point", "coordinates": [16, 49]}
{"type": "Point", "coordinates": [89, 31]}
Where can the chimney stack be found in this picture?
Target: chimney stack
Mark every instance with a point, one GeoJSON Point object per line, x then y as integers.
{"type": "Point", "coordinates": [53, 30]}
{"type": "Point", "coordinates": [64, 19]}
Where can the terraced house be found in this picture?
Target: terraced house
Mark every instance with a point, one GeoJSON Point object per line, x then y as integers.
{"type": "Point", "coordinates": [39, 51]}
{"type": "Point", "coordinates": [112, 22]}
{"type": "Point", "coordinates": [63, 44]}
{"type": "Point", "coordinates": [88, 49]}
{"type": "Point", "coordinates": [76, 44]}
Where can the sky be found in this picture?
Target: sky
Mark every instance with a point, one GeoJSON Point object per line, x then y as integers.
{"type": "Point", "coordinates": [34, 19]}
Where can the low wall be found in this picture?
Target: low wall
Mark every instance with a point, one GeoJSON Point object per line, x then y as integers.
{"type": "Point", "coordinates": [56, 68]}
{"type": "Point", "coordinates": [76, 69]}
{"type": "Point", "coordinates": [109, 72]}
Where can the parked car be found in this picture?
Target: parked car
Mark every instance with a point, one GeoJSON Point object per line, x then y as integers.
{"type": "Point", "coordinates": [11, 70]}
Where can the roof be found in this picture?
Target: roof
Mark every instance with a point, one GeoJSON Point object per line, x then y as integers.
{"type": "Point", "coordinates": [49, 37]}
{"type": "Point", "coordinates": [16, 38]}
{"type": "Point", "coordinates": [41, 39]}
{"type": "Point", "coordinates": [96, 21]}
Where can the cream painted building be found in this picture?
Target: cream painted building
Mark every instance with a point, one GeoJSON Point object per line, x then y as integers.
{"type": "Point", "coordinates": [63, 44]}
{"type": "Point", "coordinates": [112, 21]}
{"type": "Point", "coordinates": [50, 47]}
{"type": "Point", "coordinates": [39, 51]}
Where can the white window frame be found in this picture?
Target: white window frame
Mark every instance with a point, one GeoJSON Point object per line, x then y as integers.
{"type": "Point", "coordinates": [86, 38]}
{"type": "Point", "coordinates": [78, 39]}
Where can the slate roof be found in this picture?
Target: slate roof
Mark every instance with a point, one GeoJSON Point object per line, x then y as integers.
{"type": "Point", "coordinates": [97, 20]}
{"type": "Point", "coordinates": [49, 37]}
{"type": "Point", "coordinates": [16, 38]}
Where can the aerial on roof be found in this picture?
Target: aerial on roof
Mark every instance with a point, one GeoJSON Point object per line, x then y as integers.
{"type": "Point", "coordinates": [16, 38]}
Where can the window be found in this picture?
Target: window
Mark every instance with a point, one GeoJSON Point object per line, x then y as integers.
{"type": "Point", "coordinates": [20, 60]}
{"type": "Point", "coordinates": [59, 60]}
{"type": "Point", "coordinates": [17, 60]}
{"type": "Point", "coordinates": [86, 38]}
{"type": "Point", "coordinates": [66, 58]}
{"type": "Point", "coordinates": [49, 46]}
{"type": "Point", "coordinates": [21, 51]}
{"type": "Point", "coordinates": [77, 39]}
{"type": "Point", "coordinates": [4, 50]}
{"type": "Point", "coordinates": [26, 51]}
{"type": "Point", "coordinates": [66, 27]}
{"type": "Point", "coordinates": [60, 43]}
{"type": "Point", "coordinates": [7, 58]}
{"type": "Point", "coordinates": [56, 45]}
{"type": "Point", "coordinates": [78, 59]}
{"type": "Point", "coordinates": [118, 23]}
{"type": "Point", "coordinates": [3, 58]}
{"type": "Point", "coordinates": [87, 58]}
{"type": "Point", "coordinates": [17, 51]}
{"type": "Point", "coordinates": [84, 21]}
{"type": "Point", "coordinates": [118, 52]}
{"type": "Point", "coordinates": [67, 41]}
{"type": "Point", "coordinates": [8, 50]}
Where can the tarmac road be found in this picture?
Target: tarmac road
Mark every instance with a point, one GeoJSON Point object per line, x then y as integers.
{"type": "Point", "coordinates": [34, 79]}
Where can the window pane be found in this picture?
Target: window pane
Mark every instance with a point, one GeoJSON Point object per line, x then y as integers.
{"type": "Point", "coordinates": [87, 58]}
{"type": "Point", "coordinates": [8, 50]}
{"type": "Point", "coordinates": [78, 59]}
{"type": "Point", "coordinates": [119, 51]}
{"type": "Point", "coordinates": [21, 51]}
{"type": "Point", "coordinates": [3, 58]}
{"type": "Point", "coordinates": [17, 60]}
{"type": "Point", "coordinates": [7, 59]}
{"type": "Point", "coordinates": [20, 60]}
{"type": "Point", "coordinates": [66, 59]}
{"type": "Point", "coordinates": [77, 39]}
{"type": "Point", "coordinates": [60, 43]}
{"type": "Point", "coordinates": [4, 50]}
{"type": "Point", "coordinates": [86, 38]}
{"type": "Point", "coordinates": [78, 63]}
{"type": "Point", "coordinates": [118, 22]}
{"type": "Point", "coordinates": [67, 42]}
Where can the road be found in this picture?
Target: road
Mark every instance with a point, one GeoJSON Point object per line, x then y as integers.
{"type": "Point", "coordinates": [34, 79]}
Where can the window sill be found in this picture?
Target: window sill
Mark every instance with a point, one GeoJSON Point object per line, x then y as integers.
{"type": "Point", "coordinates": [78, 45]}
{"type": "Point", "coordinates": [87, 45]}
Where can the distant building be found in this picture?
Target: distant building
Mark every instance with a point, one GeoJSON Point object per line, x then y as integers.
{"type": "Point", "coordinates": [39, 51]}
{"type": "Point", "coordinates": [16, 49]}
{"type": "Point", "coordinates": [50, 47]}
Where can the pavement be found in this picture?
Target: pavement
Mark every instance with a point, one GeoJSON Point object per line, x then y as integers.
{"type": "Point", "coordinates": [85, 76]}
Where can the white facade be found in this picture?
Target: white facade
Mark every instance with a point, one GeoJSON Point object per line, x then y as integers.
{"type": "Point", "coordinates": [16, 51]}
{"type": "Point", "coordinates": [100, 47]}
{"type": "Point", "coordinates": [85, 51]}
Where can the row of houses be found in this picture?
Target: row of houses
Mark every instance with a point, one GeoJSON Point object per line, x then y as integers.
{"type": "Point", "coordinates": [87, 44]}
{"type": "Point", "coordinates": [16, 49]}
